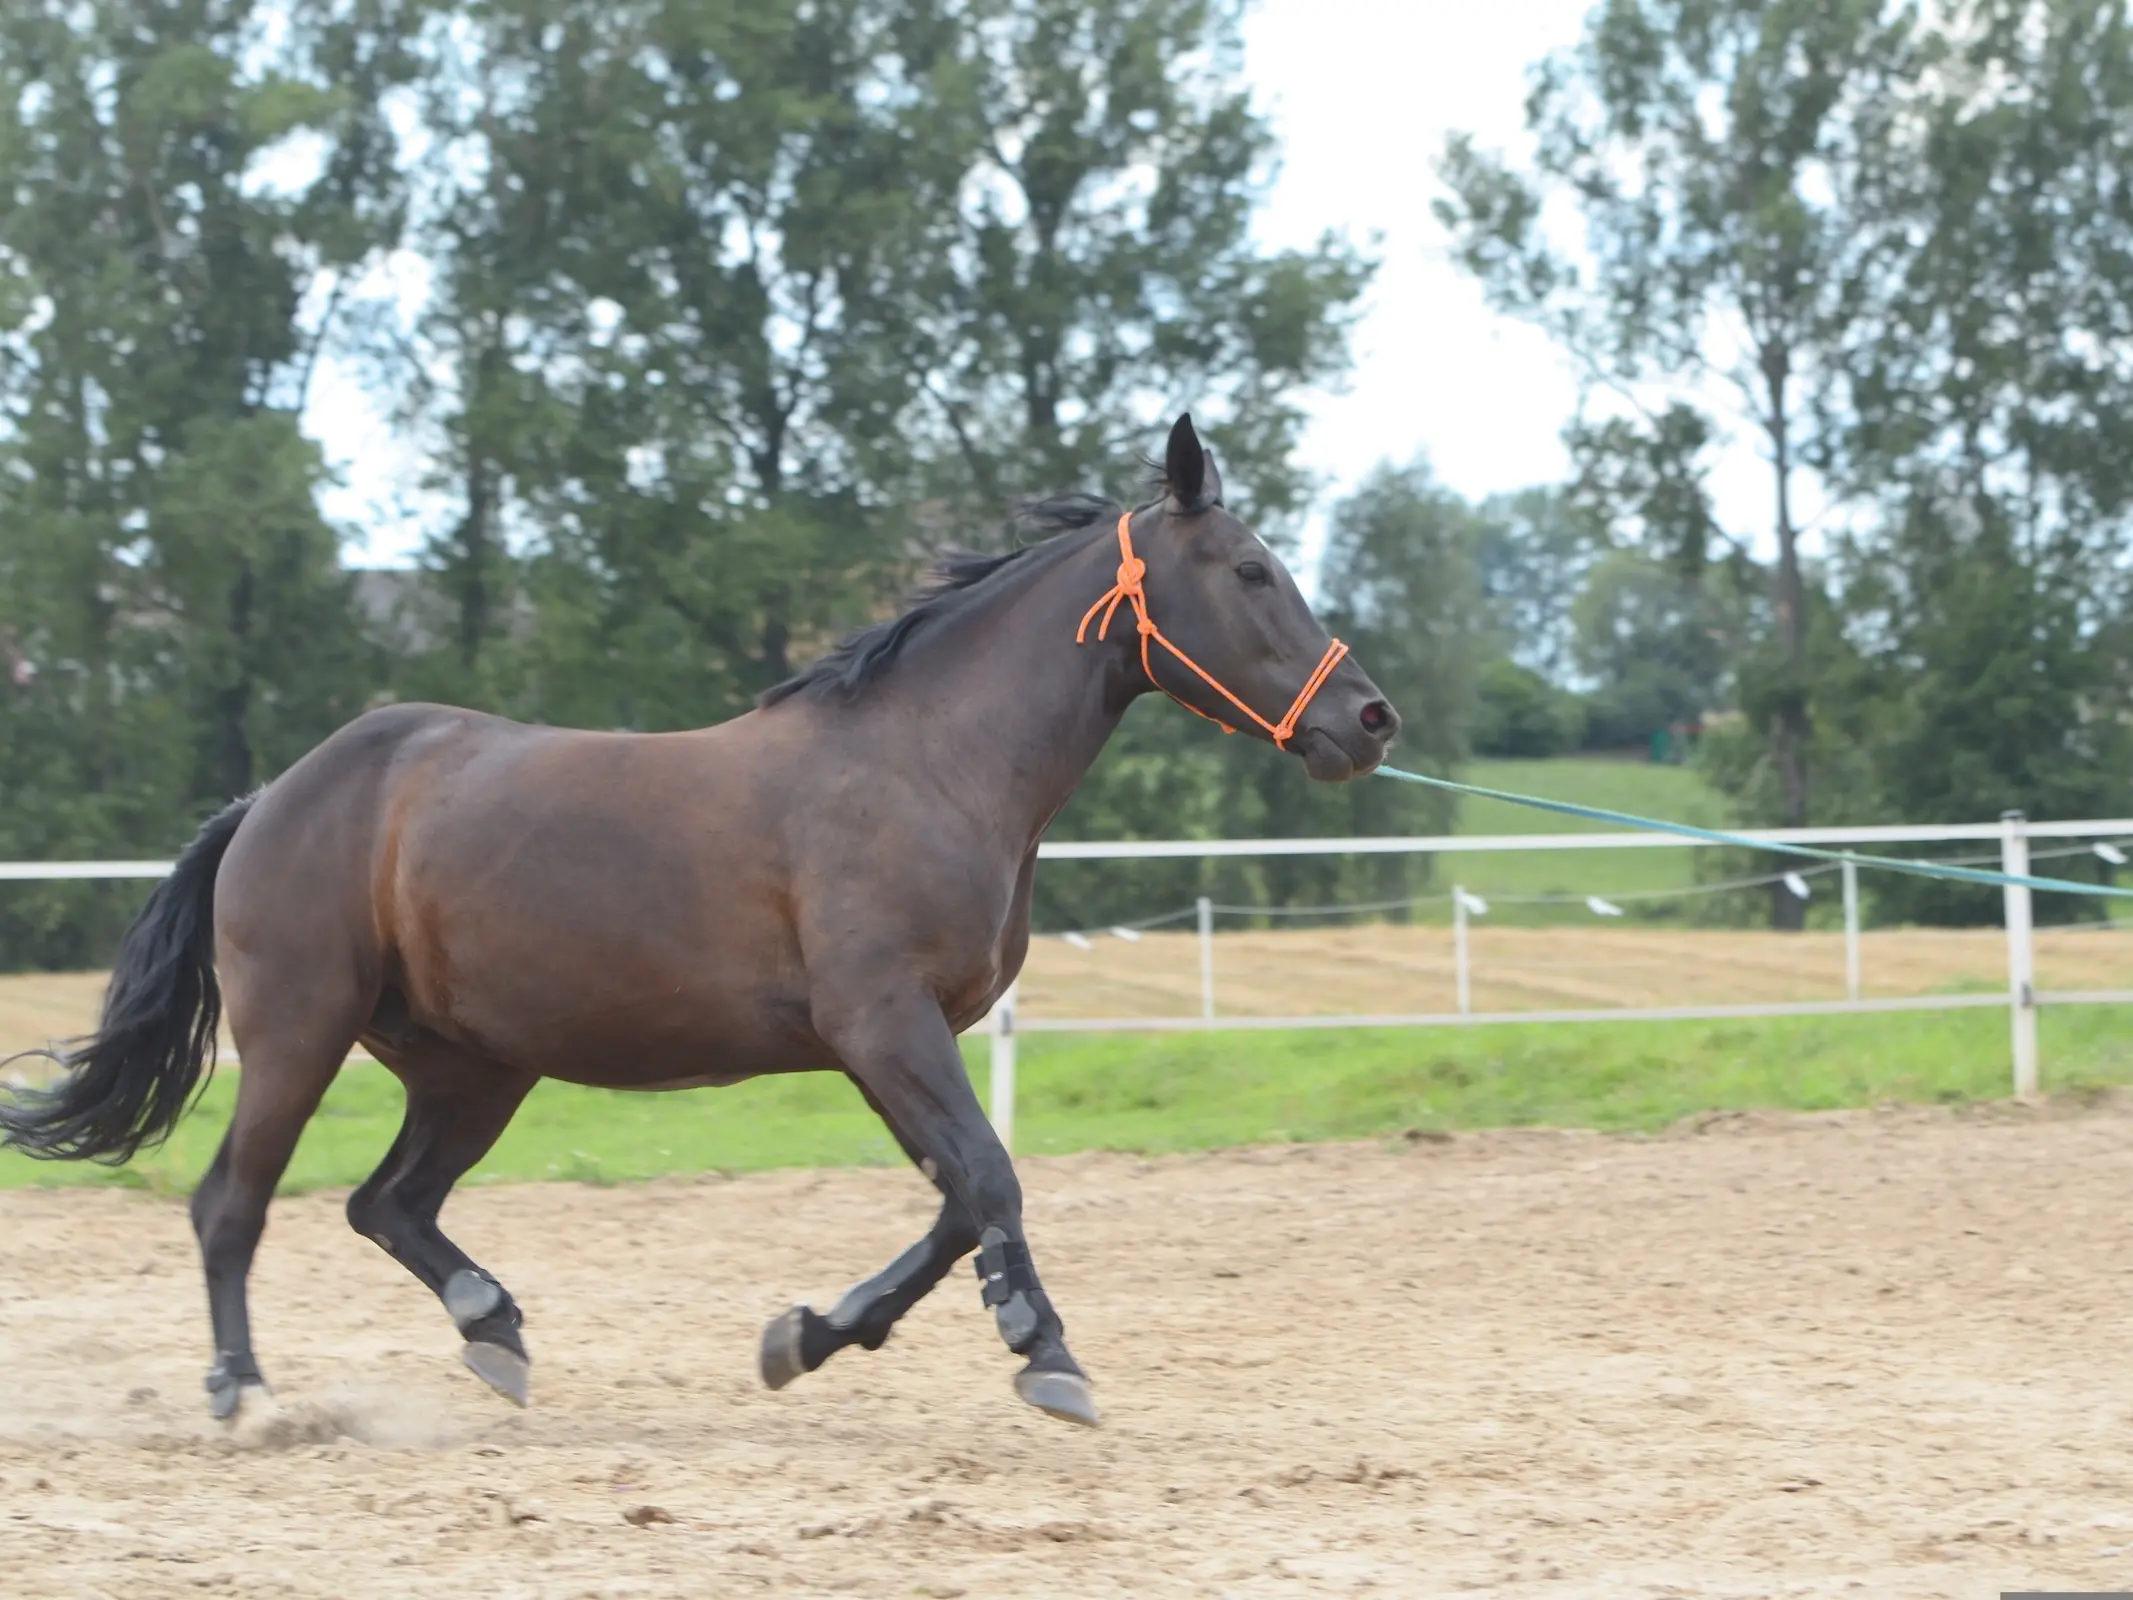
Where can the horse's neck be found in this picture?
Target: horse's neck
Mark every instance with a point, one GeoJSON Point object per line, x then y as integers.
{"type": "Point", "coordinates": [1019, 708]}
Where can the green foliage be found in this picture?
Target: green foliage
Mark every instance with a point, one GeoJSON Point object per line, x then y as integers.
{"type": "Point", "coordinates": [1400, 583]}
{"type": "Point", "coordinates": [1714, 153]}
{"type": "Point", "coordinates": [1897, 238]}
{"type": "Point", "coordinates": [682, 316]}
{"type": "Point", "coordinates": [1990, 692]}
{"type": "Point", "coordinates": [1533, 551]}
{"type": "Point", "coordinates": [737, 311]}
{"type": "Point", "coordinates": [1658, 647]}
{"type": "Point", "coordinates": [1520, 713]}
{"type": "Point", "coordinates": [172, 607]}
{"type": "Point", "coordinates": [1106, 255]}
{"type": "Point", "coordinates": [1990, 432]}
{"type": "Point", "coordinates": [743, 308]}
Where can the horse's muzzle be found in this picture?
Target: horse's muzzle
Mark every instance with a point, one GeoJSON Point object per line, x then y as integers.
{"type": "Point", "coordinates": [1348, 738]}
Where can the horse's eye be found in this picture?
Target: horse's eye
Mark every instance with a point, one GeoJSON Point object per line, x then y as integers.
{"type": "Point", "coordinates": [1252, 572]}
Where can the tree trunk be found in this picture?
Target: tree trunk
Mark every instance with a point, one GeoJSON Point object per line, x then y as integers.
{"type": "Point", "coordinates": [472, 579]}
{"type": "Point", "coordinates": [475, 561]}
{"type": "Point", "coordinates": [776, 661]}
{"type": "Point", "coordinates": [1789, 731]}
{"type": "Point", "coordinates": [230, 764]}
{"type": "Point", "coordinates": [774, 639]}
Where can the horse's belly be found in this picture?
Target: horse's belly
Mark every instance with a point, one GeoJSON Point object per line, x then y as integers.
{"type": "Point", "coordinates": [642, 1041]}
{"type": "Point", "coordinates": [618, 962]}
{"type": "Point", "coordinates": [706, 1080]}
{"type": "Point", "coordinates": [624, 1008]}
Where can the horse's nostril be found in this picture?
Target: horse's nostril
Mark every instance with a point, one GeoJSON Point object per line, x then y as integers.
{"type": "Point", "coordinates": [1378, 717]}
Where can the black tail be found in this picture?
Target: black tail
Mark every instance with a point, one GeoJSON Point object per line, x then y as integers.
{"type": "Point", "coordinates": [127, 1084]}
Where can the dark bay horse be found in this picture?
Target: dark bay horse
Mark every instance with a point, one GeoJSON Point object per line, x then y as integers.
{"type": "Point", "coordinates": [838, 881]}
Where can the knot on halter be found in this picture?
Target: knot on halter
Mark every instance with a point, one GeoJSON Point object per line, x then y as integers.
{"type": "Point", "coordinates": [1131, 590]}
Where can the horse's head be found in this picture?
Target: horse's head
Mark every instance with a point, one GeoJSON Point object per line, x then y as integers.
{"type": "Point", "coordinates": [1217, 599]}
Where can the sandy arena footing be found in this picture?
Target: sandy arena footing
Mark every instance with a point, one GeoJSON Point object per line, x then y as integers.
{"type": "Point", "coordinates": [1878, 1354]}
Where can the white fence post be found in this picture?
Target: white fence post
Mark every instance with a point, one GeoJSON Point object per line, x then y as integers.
{"type": "Point", "coordinates": [1851, 930]}
{"type": "Point", "coordinates": [1459, 965]}
{"type": "Point", "coordinates": [1002, 1091]}
{"type": "Point", "coordinates": [2021, 954]}
{"type": "Point", "coordinates": [1206, 909]}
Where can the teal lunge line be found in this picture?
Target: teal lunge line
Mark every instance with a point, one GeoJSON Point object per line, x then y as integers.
{"type": "Point", "coordinates": [1920, 869]}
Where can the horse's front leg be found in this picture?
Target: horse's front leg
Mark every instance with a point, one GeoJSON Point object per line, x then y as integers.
{"type": "Point", "coordinates": [900, 1050]}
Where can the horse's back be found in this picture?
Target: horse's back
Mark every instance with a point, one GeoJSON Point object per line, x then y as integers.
{"type": "Point", "coordinates": [570, 901]}
{"type": "Point", "coordinates": [609, 906]}
{"type": "Point", "coordinates": [310, 832]}
{"type": "Point", "coordinates": [296, 928]}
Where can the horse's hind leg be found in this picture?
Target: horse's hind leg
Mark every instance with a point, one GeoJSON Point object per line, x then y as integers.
{"type": "Point", "coordinates": [279, 1085]}
{"type": "Point", "coordinates": [458, 1103]}
{"type": "Point", "coordinates": [802, 1338]}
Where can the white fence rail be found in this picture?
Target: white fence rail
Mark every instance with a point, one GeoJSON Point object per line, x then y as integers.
{"type": "Point", "coordinates": [2014, 835]}
{"type": "Point", "coordinates": [2021, 1000]}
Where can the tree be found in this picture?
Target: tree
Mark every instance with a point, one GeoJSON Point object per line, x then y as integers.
{"type": "Point", "coordinates": [1992, 694]}
{"type": "Point", "coordinates": [1105, 272]}
{"type": "Point", "coordinates": [1520, 714]}
{"type": "Point", "coordinates": [1986, 424]}
{"type": "Point", "coordinates": [1713, 150]}
{"type": "Point", "coordinates": [1996, 279]}
{"type": "Point", "coordinates": [1399, 584]}
{"type": "Point", "coordinates": [743, 308]}
{"type": "Point", "coordinates": [164, 288]}
{"type": "Point", "coordinates": [666, 353]}
{"type": "Point", "coordinates": [1656, 647]}
{"type": "Point", "coordinates": [1533, 550]}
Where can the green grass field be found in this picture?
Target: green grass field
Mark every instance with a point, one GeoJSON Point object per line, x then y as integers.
{"type": "Point", "coordinates": [1671, 793]}
{"type": "Point", "coordinates": [1183, 1092]}
{"type": "Point", "coordinates": [1677, 794]}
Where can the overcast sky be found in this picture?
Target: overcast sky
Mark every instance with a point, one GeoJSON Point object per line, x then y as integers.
{"type": "Point", "coordinates": [1362, 93]}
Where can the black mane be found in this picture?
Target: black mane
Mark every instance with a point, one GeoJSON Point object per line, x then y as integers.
{"type": "Point", "coordinates": [860, 658]}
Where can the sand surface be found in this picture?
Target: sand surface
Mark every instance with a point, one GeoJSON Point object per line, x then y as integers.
{"type": "Point", "coordinates": [1882, 1354]}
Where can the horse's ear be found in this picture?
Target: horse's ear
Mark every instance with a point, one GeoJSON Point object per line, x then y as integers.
{"type": "Point", "coordinates": [1186, 466]}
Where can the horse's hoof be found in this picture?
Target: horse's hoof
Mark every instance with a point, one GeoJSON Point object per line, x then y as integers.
{"type": "Point", "coordinates": [235, 1386]}
{"type": "Point", "coordinates": [233, 1401]}
{"type": "Point", "coordinates": [505, 1371]}
{"type": "Point", "coordinates": [784, 1356]}
{"type": "Point", "coordinates": [1065, 1395]}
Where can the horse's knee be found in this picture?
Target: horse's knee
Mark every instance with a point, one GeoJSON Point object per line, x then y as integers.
{"type": "Point", "coordinates": [992, 1194]}
{"type": "Point", "coordinates": [367, 1213]}
{"type": "Point", "coordinates": [202, 1208]}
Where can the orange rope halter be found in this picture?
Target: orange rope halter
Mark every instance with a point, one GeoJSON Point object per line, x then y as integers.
{"type": "Point", "coordinates": [1131, 570]}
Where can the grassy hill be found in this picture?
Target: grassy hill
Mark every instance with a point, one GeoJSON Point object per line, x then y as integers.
{"type": "Point", "coordinates": [1670, 793]}
{"type": "Point", "coordinates": [1678, 794]}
